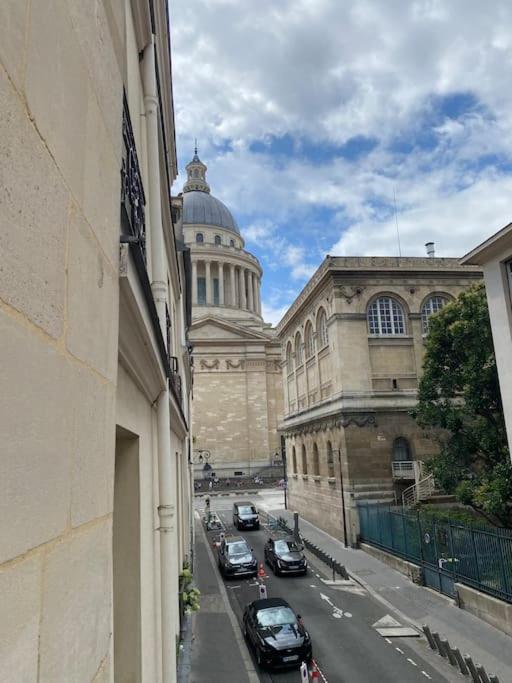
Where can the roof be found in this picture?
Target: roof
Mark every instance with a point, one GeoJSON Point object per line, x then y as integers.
{"type": "Point", "coordinates": [267, 603]}
{"type": "Point", "coordinates": [201, 208]}
{"type": "Point", "coordinates": [492, 247]}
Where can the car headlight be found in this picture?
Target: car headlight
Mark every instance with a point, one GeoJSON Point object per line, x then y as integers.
{"type": "Point", "coordinates": [279, 564]}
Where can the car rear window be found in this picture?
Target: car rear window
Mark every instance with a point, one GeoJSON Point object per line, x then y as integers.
{"type": "Point", "coordinates": [246, 510]}
{"type": "Point", "coordinates": [239, 548]}
{"type": "Point", "coordinates": [276, 616]}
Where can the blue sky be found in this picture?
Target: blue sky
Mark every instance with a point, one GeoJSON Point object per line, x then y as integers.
{"type": "Point", "coordinates": [313, 115]}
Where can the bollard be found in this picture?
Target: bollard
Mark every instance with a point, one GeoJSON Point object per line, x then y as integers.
{"type": "Point", "coordinates": [439, 644]}
{"type": "Point", "coordinates": [474, 673]}
{"type": "Point", "coordinates": [262, 591]}
{"type": "Point", "coordinates": [482, 673]}
{"type": "Point", "coordinates": [449, 653]}
{"type": "Point", "coordinates": [460, 661]}
{"type": "Point", "coordinates": [304, 673]}
{"type": "Point", "coordinates": [430, 639]}
{"type": "Point", "coordinates": [296, 526]}
{"type": "Point", "coordinates": [333, 564]}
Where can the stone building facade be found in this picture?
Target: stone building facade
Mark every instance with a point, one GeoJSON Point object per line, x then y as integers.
{"type": "Point", "coordinates": [95, 494]}
{"type": "Point", "coordinates": [352, 345]}
{"type": "Point", "coordinates": [237, 375]}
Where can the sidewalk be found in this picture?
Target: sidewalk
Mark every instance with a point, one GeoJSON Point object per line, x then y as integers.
{"type": "Point", "coordinates": [483, 642]}
{"type": "Point", "coordinates": [215, 654]}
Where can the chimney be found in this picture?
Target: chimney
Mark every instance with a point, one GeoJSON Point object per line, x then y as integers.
{"type": "Point", "coordinates": [429, 246]}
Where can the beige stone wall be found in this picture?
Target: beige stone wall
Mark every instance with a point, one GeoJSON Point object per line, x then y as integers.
{"type": "Point", "coordinates": [60, 134]}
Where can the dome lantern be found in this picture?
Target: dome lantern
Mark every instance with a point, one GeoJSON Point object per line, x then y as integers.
{"type": "Point", "coordinates": [196, 175]}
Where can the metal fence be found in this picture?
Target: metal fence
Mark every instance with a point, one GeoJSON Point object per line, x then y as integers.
{"type": "Point", "coordinates": [476, 555]}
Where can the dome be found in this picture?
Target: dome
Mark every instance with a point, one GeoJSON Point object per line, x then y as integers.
{"type": "Point", "coordinates": [202, 209]}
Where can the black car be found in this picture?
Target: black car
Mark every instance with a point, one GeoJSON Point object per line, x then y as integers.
{"type": "Point", "coordinates": [276, 633]}
{"type": "Point", "coordinates": [245, 516]}
{"type": "Point", "coordinates": [285, 556]}
{"type": "Point", "coordinates": [235, 558]}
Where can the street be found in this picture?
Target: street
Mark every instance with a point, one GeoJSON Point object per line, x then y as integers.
{"type": "Point", "coordinates": [346, 646]}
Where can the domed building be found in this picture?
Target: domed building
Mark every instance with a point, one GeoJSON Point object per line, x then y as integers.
{"type": "Point", "coordinates": [237, 385]}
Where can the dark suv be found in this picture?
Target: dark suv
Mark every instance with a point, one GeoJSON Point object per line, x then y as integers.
{"type": "Point", "coordinates": [285, 556]}
{"type": "Point", "coordinates": [235, 558]}
{"type": "Point", "coordinates": [245, 516]}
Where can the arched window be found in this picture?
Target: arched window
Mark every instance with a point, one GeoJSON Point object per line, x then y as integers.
{"type": "Point", "coordinates": [309, 340]}
{"type": "Point", "coordinates": [401, 450]}
{"type": "Point", "coordinates": [316, 460]}
{"type": "Point", "coordinates": [386, 316]}
{"type": "Point", "coordinates": [199, 237]}
{"type": "Point", "coordinates": [330, 460]}
{"type": "Point", "coordinates": [289, 359]}
{"type": "Point", "coordinates": [431, 305]}
{"type": "Point", "coordinates": [321, 329]}
{"type": "Point", "coordinates": [218, 239]}
{"type": "Point", "coordinates": [231, 243]}
{"type": "Point", "coordinates": [294, 460]}
{"type": "Point", "coordinates": [304, 460]}
{"type": "Point", "coordinates": [298, 350]}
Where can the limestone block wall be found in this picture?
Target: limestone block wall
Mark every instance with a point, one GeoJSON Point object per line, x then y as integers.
{"type": "Point", "coordinates": [60, 154]}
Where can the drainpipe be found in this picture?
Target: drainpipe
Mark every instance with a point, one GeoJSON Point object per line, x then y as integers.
{"type": "Point", "coordinates": [166, 482]}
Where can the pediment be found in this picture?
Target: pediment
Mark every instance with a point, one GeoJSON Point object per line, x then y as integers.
{"type": "Point", "coordinates": [216, 328]}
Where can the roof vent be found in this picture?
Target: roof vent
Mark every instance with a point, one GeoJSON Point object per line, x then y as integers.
{"type": "Point", "coordinates": [431, 252]}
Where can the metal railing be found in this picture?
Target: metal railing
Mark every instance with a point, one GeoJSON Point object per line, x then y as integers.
{"type": "Point", "coordinates": [421, 490]}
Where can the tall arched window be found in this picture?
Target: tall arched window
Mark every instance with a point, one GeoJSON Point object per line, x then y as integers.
{"type": "Point", "coordinates": [401, 450]}
{"type": "Point", "coordinates": [231, 243]}
{"type": "Point", "coordinates": [218, 239]}
{"type": "Point", "coordinates": [294, 460]}
{"type": "Point", "coordinates": [304, 460]}
{"type": "Point", "coordinates": [330, 460]}
{"type": "Point", "coordinates": [199, 237]}
{"type": "Point", "coordinates": [298, 350]}
{"type": "Point", "coordinates": [432, 305]}
{"type": "Point", "coordinates": [309, 340]}
{"type": "Point", "coordinates": [386, 316]}
{"type": "Point", "coordinates": [316, 460]}
{"type": "Point", "coordinates": [289, 359]}
{"type": "Point", "coordinates": [321, 329]}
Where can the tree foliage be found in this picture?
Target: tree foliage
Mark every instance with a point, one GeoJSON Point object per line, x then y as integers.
{"type": "Point", "coordinates": [459, 393]}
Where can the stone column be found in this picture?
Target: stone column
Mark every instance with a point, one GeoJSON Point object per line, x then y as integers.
{"type": "Point", "coordinates": [241, 282]}
{"type": "Point", "coordinates": [208, 283]}
{"type": "Point", "coordinates": [255, 292]}
{"type": "Point", "coordinates": [250, 290]}
{"type": "Point", "coordinates": [258, 295]}
{"type": "Point", "coordinates": [221, 284]}
{"type": "Point", "coordinates": [194, 282]}
{"type": "Point", "coordinates": [233, 284]}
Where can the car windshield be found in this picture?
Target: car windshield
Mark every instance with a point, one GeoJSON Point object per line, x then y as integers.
{"type": "Point", "coordinates": [286, 547]}
{"type": "Point", "coordinates": [246, 510]}
{"type": "Point", "coordinates": [276, 616]}
{"type": "Point", "coordinates": [239, 548]}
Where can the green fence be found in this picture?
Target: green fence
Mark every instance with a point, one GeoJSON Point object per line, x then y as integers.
{"type": "Point", "coordinates": [478, 556]}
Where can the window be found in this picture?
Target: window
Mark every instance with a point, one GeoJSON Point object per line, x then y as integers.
{"type": "Point", "coordinates": [386, 316]}
{"type": "Point", "coordinates": [201, 291]}
{"type": "Point", "coordinates": [199, 238]}
{"type": "Point", "coordinates": [294, 460]}
{"type": "Point", "coordinates": [218, 239]}
{"type": "Point", "coordinates": [304, 461]}
{"type": "Point", "coordinates": [316, 460]}
{"type": "Point", "coordinates": [309, 341]}
{"type": "Point", "coordinates": [231, 243]}
{"type": "Point", "coordinates": [431, 306]}
{"type": "Point", "coordinates": [298, 350]}
{"type": "Point", "coordinates": [401, 450]}
{"type": "Point", "coordinates": [321, 329]}
{"type": "Point", "coordinates": [289, 359]}
{"type": "Point", "coordinates": [330, 460]}
{"type": "Point", "coordinates": [216, 298]}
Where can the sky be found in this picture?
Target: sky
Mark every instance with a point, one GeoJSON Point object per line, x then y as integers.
{"type": "Point", "coordinates": [326, 123]}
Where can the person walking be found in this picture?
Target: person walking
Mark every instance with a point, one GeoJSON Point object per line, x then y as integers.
{"type": "Point", "coordinates": [210, 485]}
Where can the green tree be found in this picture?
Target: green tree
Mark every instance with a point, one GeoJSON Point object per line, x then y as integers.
{"type": "Point", "coordinates": [459, 393]}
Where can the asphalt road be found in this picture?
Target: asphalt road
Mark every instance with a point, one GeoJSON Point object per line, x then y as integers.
{"type": "Point", "coordinates": [346, 647]}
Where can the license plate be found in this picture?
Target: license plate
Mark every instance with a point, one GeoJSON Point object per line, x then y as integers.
{"type": "Point", "coordinates": [291, 658]}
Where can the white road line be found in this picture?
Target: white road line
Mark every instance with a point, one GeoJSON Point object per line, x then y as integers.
{"type": "Point", "coordinates": [388, 641]}
{"type": "Point", "coordinates": [348, 614]}
{"type": "Point", "coordinates": [411, 661]}
{"type": "Point", "coordinates": [399, 650]}
{"type": "Point", "coordinates": [312, 585]}
{"type": "Point", "coordinates": [426, 675]}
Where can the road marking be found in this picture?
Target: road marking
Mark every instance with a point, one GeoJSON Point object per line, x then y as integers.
{"type": "Point", "coordinates": [388, 641]}
{"type": "Point", "coordinates": [411, 661]}
{"type": "Point", "coordinates": [426, 675]}
{"type": "Point", "coordinates": [312, 585]}
{"type": "Point", "coordinates": [399, 650]}
{"type": "Point", "coordinates": [348, 614]}
{"type": "Point", "coordinates": [337, 615]}
{"type": "Point", "coordinates": [233, 587]}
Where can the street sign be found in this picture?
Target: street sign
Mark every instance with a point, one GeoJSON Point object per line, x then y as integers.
{"type": "Point", "coordinates": [262, 590]}
{"type": "Point", "coordinates": [304, 673]}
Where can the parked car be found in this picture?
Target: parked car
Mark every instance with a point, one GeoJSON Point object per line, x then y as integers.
{"type": "Point", "coordinates": [236, 558]}
{"type": "Point", "coordinates": [245, 516]}
{"type": "Point", "coordinates": [285, 556]}
{"type": "Point", "coordinates": [276, 634]}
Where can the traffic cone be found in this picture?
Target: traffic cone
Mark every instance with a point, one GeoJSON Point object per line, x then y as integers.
{"type": "Point", "coordinates": [261, 571]}
{"type": "Point", "coordinates": [315, 674]}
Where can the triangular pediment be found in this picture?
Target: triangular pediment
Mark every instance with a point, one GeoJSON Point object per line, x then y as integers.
{"type": "Point", "coordinates": [210, 327]}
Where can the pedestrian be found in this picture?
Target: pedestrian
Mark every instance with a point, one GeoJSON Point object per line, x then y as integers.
{"type": "Point", "coordinates": [210, 485]}
{"type": "Point", "coordinates": [228, 482]}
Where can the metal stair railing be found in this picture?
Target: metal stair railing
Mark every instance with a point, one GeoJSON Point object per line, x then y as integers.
{"type": "Point", "coordinates": [421, 490]}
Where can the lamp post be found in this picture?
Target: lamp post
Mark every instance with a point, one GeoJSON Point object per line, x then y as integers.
{"type": "Point", "coordinates": [342, 501]}
{"type": "Point", "coordinates": [285, 475]}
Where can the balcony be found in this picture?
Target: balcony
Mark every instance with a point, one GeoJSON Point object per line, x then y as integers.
{"type": "Point", "coordinates": [407, 470]}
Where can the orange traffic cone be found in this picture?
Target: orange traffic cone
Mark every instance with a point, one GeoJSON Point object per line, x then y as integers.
{"type": "Point", "coordinates": [315, 675]}
{"type": "Point", "coordinates": [261, 571]}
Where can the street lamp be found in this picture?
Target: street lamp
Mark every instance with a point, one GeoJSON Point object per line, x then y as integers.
{"type": "Point", "coordinates": [342, 501]}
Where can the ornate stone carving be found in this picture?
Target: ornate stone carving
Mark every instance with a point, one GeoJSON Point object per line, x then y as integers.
{"type": "Point", "coordinates": [205, 365]}
{"type": "Point", "coordinates": [350, 293]}
{"type": "Point", "coordinates": [232, 365]}
{"type": "Point", "coordinates": [334, 422]}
